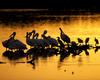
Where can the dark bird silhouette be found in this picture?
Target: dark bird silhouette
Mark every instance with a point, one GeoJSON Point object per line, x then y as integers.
{"type": "Point", "coordinates": [12, 35]}
{"type": "Point", "coordinates": [31, 42]}
{"type": "Point", "coordinates": [41, 42]}
{"type": "Point", "coordinates": [12, 43]}
{"type": "Point", "coordinates": [6, 42]}
{"type": "Point", "coordinates": [31, 61]}
{"type": "Point", "coordinates": [64, 37]}
{"type": "Point", "coordinates": [96, 41]}
{"type": "Point", "coordinates": [87, 40]}
{"type": "Point", "coordinates": [53, 42]}
{"type": "Point", "coordinates": [80, 40]}
{"type": "Point", "coordinates": [61, 43]}
{"type": "Point", "coordinates": [49, 40]}
{"type": "Point", "coordinates": [86, 52]}
{"type": "Point", "coordinates": [33, 34]}
{"type": "Point", "coordinates": [44, 34]}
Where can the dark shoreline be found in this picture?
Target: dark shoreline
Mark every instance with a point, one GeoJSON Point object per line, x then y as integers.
{"type": "Point", "coordinates": [28, 16]}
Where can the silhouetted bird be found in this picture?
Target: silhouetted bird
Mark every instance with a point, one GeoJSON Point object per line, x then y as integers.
{"type": "Point", "coordinates": [31, 42]}
{"type": "Point", "coordinates": [73, 43]}
{"type": "Point", "coordinates": [86, 52]}
{"type": "Point", "coordinates": [64, 37]}
{"type": "Point", "coordinates": [12, 35]}
{"type": "Point", "coordinates": [49, 40]}
{"type": "Point", "coordinates": [61, 43]}
{"type": "Point", "coordinates": [53, 42]}
{"type": "Point", "coordinates": [17, 44]}
{"type": "Point", "coordinates": [31, 61]}
{"type": "Point", "coordinates": [45, 38]}
{"type": "Point", "coordinates": [41, 42]}
{"type": "Point", "coordinates": [87, 40]}
{"type": "Point", "coordinates": [6, 42]}
{"type": "Point", "coordinates": [32, 34]}
{"type": "Point", "coordinates": [44, 34]}
{"type": "Point", "coordinates": [13, 43]}
{"type": "Point", "coordinates": [96, 41]}
{"type": "Point", "coordinates": [80, 40]}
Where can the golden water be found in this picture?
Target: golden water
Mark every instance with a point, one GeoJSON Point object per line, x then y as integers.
{"type": "Point", "coordinates": [81, 67]}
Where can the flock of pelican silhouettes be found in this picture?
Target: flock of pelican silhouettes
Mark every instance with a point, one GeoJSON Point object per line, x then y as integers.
{"type": "Point", "coordinates": [63, 43]}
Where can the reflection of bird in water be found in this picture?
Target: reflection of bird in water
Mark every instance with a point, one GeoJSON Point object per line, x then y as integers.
{"type": "Point", "coordinates": [96, 41]}
{"type": "Point", "coordinates": [87, 40]}
{"type": "Point", "coordinates": [64, 37]}
{"type": "Point", "coordinates": [61, 43]}
{"type": "Point", "coordinates": [12, 43]}
{"type": "Point", "coordinates": [32, 62]}
{"type": "Point", "coordinates": [86, 52]}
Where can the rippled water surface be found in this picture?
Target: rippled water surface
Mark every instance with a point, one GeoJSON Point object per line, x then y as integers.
{"type": "Point", "coordinates": [80, 67]}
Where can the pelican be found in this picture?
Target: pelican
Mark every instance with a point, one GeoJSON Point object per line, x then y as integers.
{"type": "Point", "coordinates": [6, 42]}
{"type": "Point", "coordinates": [87, 40]}
{"type": "Point", "coordinates": [33, 33]}
{"type": "Point", "coordinates": [53, 42]}
{"type": "Point", "coordinates": [96, 41]}
{"type": "Point", "coordinates": [12, 43]}
{"type": "Point", "coordinates": [64, 37]}
{"type": "Point", "coordinates": [80, 40]}
{"type": "Point", "coordinates": [60, 42]}
{"type": "Point", "coordinates": [43, 42]}
{"type": "Point", "coordinates": [31, 42]}
{"type": "Point", "coordinates": [49, 40]}
{"type": "Point", "coordinates": [12, 35]}
{"type": "Point", "coordinates": [40, 42]}
{"type": "Point", "coordinates": [17, 44]}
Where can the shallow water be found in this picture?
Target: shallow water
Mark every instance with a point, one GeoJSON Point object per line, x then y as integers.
{"type": "Point", "coordinates": [80, 67]}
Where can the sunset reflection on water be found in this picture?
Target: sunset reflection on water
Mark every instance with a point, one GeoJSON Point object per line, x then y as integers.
{"type": "Point", "coordinates": [80, 67]}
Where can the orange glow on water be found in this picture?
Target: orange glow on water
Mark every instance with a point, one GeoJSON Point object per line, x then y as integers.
{"type": "Point", "coordinates": [72, 68]}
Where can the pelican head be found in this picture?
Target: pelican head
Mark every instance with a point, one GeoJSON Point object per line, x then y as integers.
{"type": "Point", "coordinates": [33, 31]}
{"type": "Point", "coordinates": [37, 34]}
{"type": "Point", "coordinates": [60, 29]}
{"type": "Point", "coordinates": [26, 34]}
{"type": "Point", "coordinates": [13, 34]}
{"type": "Point", "coordinates": [58, 37]}
{"type": "Point", "coordinates": [45, 31]}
